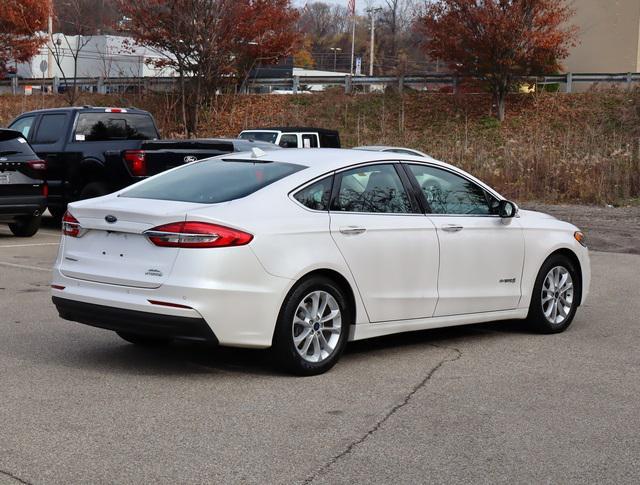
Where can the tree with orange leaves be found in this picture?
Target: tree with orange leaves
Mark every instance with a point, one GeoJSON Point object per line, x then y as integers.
{"type": "Point", "coordinates": [211, 43]}
{"type": "Point", "coordinates": [20, 21]}
{"type": "Point", "coordinates": [499, 41]}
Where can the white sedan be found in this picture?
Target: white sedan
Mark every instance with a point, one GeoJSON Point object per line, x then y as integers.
{"type": "Point", "coordinates": [304, 249]}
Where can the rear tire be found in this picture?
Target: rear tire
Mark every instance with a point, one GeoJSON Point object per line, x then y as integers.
{"type": "Point", "coordinates": [555, 296]}
{"type": "Point", "coordinates": [144, 340]}
{"type": "Point", "coordinates": [94, 189]}
{"type": "Point", "coordinates": [313, 327]}
{"type": "Point", "coordinates": [26, 226]}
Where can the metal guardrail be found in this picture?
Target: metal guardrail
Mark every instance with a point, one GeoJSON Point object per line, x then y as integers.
{"type": "Point", "coordinates": [297, 83]}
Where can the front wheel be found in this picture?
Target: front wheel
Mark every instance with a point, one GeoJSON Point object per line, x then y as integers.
{"type": "Point", "coordinates": [26, 226]}
{"type": "Point", "coordinates": [312, 328]}
{"type": "Point", "coordinates": [555, 295]}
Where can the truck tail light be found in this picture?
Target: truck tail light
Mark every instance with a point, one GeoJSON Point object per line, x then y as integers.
{"type": "Point", "coordinates": [37, 165]}
{"type": "Point", "coordinates": [45, 190]}
{"type": "Point", "coordinates": [71, 226]}
{"type": "Point", "coordinates": [137, 162]}
{"type": "Point", "coordinates": [191, 234]}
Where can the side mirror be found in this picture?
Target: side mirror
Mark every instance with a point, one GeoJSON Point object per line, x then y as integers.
{"type": "Point", "coordinates": [507, 209]}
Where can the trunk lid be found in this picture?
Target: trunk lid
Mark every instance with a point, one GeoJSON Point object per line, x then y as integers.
{"type": "Point", "coordinates": [118, 252]}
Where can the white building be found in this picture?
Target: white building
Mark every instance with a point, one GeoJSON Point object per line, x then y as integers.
{"type": "Point", "coordinates": [106, 56]}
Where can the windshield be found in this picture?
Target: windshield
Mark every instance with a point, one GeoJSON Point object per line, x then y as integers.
{"type": "Point", "coordinates": [268, 136]}
{"type": "Point", "coordinates": [213, 181]}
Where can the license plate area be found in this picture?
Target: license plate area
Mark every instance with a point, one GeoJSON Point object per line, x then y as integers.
{"type": "Point", "coordinates": [118, 258]}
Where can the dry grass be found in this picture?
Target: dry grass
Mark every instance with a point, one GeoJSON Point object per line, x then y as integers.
{"type": "Point", "coordinates": [552, 147]}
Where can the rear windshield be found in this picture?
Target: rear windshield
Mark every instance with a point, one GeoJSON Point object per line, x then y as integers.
{"type": "Point", "coordinates": [213, 181]}
{"type": "Point", "coordinates": [268, 136]}
{"type": "Point", "coordinates": [114, 126]}
{"type": "Point", "coordinates": [13, 144]}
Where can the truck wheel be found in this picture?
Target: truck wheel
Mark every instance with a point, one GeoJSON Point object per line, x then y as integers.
{"type": "Point", "coordinates": [25, 226]}
{"type": "Point", "coordinates": [94, 189]}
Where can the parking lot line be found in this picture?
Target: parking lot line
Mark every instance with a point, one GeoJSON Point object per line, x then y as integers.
{"type": "Point", "coordinates": [27, 245]}
{"type": "Point", "coordinates": [24, 266]}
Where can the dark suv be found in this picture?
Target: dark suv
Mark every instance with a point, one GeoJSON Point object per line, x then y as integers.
{"type": "Point", "coordinates": [23, 191]}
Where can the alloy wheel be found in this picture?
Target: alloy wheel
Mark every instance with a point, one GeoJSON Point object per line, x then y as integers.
{"type": "Point", "coordinates": [557, 295]}
{"type": "Point", "coordinates": [317, 326]}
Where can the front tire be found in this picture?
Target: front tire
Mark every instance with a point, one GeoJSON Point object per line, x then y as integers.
{"type": "Point", "coordinates": [144, 340]}
{"type": "Point", "coordinates": [555, 296]}
{"type": "Point", "coordinates": [313, 327]}
{"type": "Point", "coordinates": [26, 226]}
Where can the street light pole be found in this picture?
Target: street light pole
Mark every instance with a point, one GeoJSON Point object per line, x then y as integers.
{"type": "Point", "coordinates": [335, 53]}
{"type": "Point", "coordinates": [372, 12]}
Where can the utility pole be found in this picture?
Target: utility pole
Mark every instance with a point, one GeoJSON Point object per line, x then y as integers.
{"type": "Point", "coordinates": [352, 11]}
{"type": "Point", "coordinates": [49, 41]}
{"type": "Point", "coordinates": [372, 12]}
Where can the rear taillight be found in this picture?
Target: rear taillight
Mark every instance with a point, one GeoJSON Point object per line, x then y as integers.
{"type": "Point", "coordinates": [37, 165]}
{"type": "Point", "coordinates": [197, 235]}
{"type": "Point", "coordinates": [45, 190]}
{"type": "Point", "coordinates": [71, 226]}
{"type": "Point", "coordinates": [136, 161]}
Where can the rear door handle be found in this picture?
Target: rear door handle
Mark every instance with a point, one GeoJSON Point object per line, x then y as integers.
{"type": "Point", "coordinates": [452, 228]}
{"type": "Point", "coordinates": [352, 230]}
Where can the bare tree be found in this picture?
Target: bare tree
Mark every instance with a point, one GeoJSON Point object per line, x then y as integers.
{"type": "Point", "coordinates": [72, 16]}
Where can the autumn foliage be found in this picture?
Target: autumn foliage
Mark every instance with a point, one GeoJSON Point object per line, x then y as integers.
{"type": "Point", "coordinates": [212, 43]}
{"type": "Point", "coordinates": [20, 20]}
{"type": "Point", "coordinates": [499, 41]}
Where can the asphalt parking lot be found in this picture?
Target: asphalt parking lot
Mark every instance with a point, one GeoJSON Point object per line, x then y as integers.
{"type": "Point", "coordinates": [477, 404]}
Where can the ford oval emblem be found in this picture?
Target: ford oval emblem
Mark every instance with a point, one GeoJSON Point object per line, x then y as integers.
{"type": "Point", "coordinates": [111, 219]}
{"type": "Point", "coordinates": [190, 158]}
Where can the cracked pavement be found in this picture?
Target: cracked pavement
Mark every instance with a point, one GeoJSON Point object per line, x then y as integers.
{"type": "Point", "coordinates": [481, 403]}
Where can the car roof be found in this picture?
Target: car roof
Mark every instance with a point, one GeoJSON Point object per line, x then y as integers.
{"type": "Point", "coordinates": [94, 109]}
{"type": "Point", "coordinates": [295, 129]}
{"type": "Point", "coordinates": [377, 148]}
{"type": "Point", "coordinates": [6, 134]}
{"type": "Point", "coordinates": [320, 161]}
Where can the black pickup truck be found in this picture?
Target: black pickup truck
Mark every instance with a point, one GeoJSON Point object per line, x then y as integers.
{"type": "Point", "coordinates": [92, 151]}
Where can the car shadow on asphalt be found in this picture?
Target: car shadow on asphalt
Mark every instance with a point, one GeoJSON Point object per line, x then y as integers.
{"type": "Point", "coordinates": [188, 358]}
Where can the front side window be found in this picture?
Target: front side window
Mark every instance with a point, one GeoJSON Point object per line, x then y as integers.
{"type": "Point", "coordinates": [373, 188]}
{"type": "Point", "coordinates": [316, 196]}
{"type": "Point", "coordinates": [51, 128]}
{"type": "Point", "coordinates": [23, 125]}
{"type": "Point", "coordinates": [212, 181]}
{"type": "Point", "coordinates": [114, 126]}
{"type": "Point", "coordinates": [448, 193]}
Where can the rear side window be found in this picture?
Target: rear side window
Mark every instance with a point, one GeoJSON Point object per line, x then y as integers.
{"type": "Point", "coordinates": [50, 129]}
{"type": "Point", "coordinates": [329, 140]}
{"type": "Point", "coordinates": [374, 188]}
{"type": "Point", "coordinates": [289, 141]}
{"type": "Point", "coordinates": [114, 126]}
{"type": "Point", "coordinates": [309, 141]}
{"type": "Point", "coordinates": [316, 196]}
{"type": "Point", "coordinates": [213, 181]}
{"type": "Point", "coordinates": [23, 125]}
{"type": "Point", "coordinates": [12, 144]}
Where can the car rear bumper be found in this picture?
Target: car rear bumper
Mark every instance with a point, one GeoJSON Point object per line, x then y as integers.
{"type": "Point", "coordinates": [16, 206]}
{"type": "Point", "coordinates": [133, 321]}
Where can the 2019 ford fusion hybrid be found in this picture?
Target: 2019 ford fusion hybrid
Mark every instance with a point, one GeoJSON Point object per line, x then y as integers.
{"type": "Point", "coordinates": [302, 250]}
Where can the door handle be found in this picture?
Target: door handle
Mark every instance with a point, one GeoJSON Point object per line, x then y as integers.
{"type": "Point", "coordinates": [352, 230]}
{"type": "Point", "coordinates": [452, 228]}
